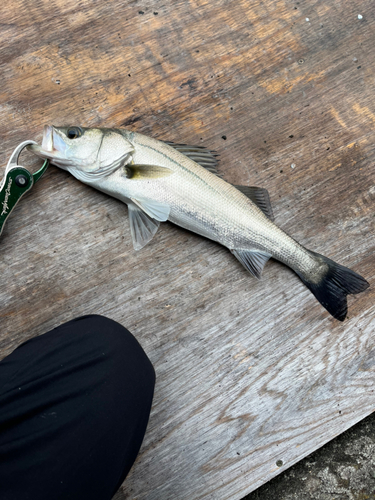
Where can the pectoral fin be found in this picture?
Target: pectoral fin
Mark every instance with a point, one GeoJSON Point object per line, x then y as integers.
{"type": "Point", "coordinates": [142, 227]}
{"type": "Point", "coordinates": [138, 172]}
{"type": "Point", "coordinates": [154, 209]}
{"type": "Point", "coordinates": [253, 261]}
{"type": "Point", "coordinates": [260, 197]}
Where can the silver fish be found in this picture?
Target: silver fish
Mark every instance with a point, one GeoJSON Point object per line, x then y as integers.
{"type": "Point", "coordinates": [162, 181]}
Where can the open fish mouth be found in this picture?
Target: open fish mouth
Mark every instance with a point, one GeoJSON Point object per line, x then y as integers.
{"type": "Point", "coordinates": [53, 142]}
{"type": "Point", "coordinates": [53, 148]}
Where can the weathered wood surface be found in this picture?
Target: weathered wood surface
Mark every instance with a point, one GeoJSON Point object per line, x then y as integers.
{"type": "Point", "coordinates": [248, 373]}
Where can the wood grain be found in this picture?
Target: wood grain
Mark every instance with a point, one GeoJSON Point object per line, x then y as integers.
{"type": "Point", "coordinates": [248, 373]}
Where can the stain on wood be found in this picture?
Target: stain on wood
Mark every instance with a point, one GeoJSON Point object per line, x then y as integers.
{"type": "Point", "coordinates": [251, 376]}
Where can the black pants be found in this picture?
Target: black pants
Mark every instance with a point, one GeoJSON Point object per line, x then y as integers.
{"type": "Point", "coordinates": [74, 406]}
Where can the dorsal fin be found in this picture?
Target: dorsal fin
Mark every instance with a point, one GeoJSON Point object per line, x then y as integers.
{"type": "Point", "coordinates": [260, 197]}
{"type": "Point", "coordinates": [204, 157]}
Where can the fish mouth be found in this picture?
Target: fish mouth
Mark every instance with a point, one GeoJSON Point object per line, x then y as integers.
{"type": "Point", "coordinates": [47, 142]}
{"type": "Point", "coordinates": [53, 148]}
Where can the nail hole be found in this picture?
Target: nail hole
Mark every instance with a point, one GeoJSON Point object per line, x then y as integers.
{"type": "Point", "coordinates": [279, 463]}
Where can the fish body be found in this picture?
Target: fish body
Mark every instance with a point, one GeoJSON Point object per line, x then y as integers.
{"type": "Point", "coordinates": [202, 202]}
{"type": "Point", "coordinates": [162, 181]}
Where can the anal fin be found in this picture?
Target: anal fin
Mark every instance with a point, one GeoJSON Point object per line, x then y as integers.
{"type": "Point", "coordinates": [252, 260]}
{"type": "Point", "coordinates": [260, 197]}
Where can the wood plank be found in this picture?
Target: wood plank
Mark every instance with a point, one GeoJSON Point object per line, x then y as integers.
{"type": "Point", "coordinates": [248, 373]}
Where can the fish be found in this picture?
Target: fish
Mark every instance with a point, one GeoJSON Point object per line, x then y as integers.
{"type": "Point", "coordinates": [165, 181]}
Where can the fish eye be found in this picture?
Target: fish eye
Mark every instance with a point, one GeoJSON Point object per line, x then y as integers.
{"type": "Point", "coordinates": [74, 132]}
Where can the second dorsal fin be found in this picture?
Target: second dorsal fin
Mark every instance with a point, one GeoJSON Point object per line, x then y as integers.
{"type": "Point", "coordinates": [260, 197]}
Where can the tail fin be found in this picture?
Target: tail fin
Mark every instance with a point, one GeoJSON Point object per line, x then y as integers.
{"type": "Point", "coordinates": [333, 287]}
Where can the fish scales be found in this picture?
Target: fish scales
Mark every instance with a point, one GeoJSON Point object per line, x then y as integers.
{"type": "Point", "coordinates": [235, 221]}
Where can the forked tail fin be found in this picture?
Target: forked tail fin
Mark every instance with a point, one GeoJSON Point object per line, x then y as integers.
{"type": "Point", "coordinates": [334, 285]}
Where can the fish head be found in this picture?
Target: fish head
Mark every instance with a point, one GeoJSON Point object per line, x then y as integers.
{"type": "Point", "coordinates": [89, 150]}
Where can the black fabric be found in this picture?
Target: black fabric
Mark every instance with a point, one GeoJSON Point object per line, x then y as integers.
{"type": "Point", "coordinates": [74, 406]}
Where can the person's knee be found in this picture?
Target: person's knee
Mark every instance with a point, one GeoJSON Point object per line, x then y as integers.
{"type": "Point", "coordinates": [121, 348]}
{"type": "Point", "coordinates": [83, 393]}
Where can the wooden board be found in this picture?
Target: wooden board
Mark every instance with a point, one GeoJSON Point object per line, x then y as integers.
{"type": "Point", "coordinates": [251, 376]}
